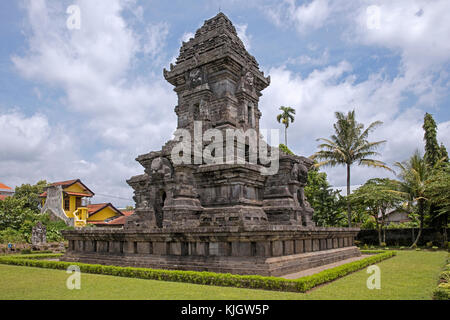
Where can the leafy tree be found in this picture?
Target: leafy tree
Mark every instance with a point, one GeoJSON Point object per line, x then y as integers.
{"type": "Point", "coordinates": [414, 179]}
{"type": "Point", "coordinates": [444, 153]}
{"type": "Point", "coordinates": [434, 153]}
{"type": "Point", "coordinates": [285, 117]}
{"type": "Point", "coordinates": [13, 213]}
{"type": "Point", "coordinates": [30, 194]}
{"type": "Point", "coordinates": [19, 213]}
{"type": "Point", "coordinates": [432, 149]}
{"type": "Point", "coordinates": [376, 197]}
{"type": "Point", "coordinates": [349, 145]}
{"type": "Point", "coordinates": [328, 204]}
{"type": "Point", "coordinates": [438, 191]}
{"type": "Point", "coordinates": [285, 149]}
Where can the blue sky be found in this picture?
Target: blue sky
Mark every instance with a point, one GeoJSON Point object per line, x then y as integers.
{"type": "Point", "coordinates": [84, 103]}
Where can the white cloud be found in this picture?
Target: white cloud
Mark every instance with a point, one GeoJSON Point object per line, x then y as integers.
{"type": "Point", "coordinates": [187, 36]}
{"type": "Point", "coordinates": [304, 59]}
{"type": "Point", "coordinates": [119, 107]}
{"type": "Point", "coordinates": [94, 67]}
{"type": "Point", "coordinates": [241, 30]}
{"type": "Point", "coordinates": [418, 30]}
{"type": "Point", "coordinates": [22, 137]}
{"type": "Point", "coordinates": [324, 91]}
{"type": "Point", "coordinates": [306, 17]}
{"type": "Point", "coordinates": [155, 38]}
{"type": "Point", "coordinates": [311, 15]}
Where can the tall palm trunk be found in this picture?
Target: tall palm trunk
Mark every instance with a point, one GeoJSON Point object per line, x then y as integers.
{"type": "Point", "coordinates": [383, 226]}
{"type": "Point", "coordinates": [349, 210]}
{"type": "Point", "coordinates": [378, 229]}
{"type": "Point", "coordinates": [421, 213]}
{"type": "Point", "coordinates": [285, 136]}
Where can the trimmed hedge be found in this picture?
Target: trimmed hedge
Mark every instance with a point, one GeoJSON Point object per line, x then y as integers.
{"type": "Point", "coordinates": [442, 292]}
{"type": "Point", "coordinates": [204, 278]}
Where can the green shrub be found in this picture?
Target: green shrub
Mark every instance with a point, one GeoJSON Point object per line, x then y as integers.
{"type": "Point", "coordinates": [434, 248]}
{"type": "Point", "coordinates": [10, 235]}
{"type": "Point", "coordinates": [383, 244]}
{"type": "Point", "coordinates": [206, 278]}
{"type": "Point", "coordinates": [442, 292]}
{"type": "Point", "coordinates": [418, 249]}
{"type": "Point", "coordinates": [429, 244]}
{"type": "Point", "coordinates": [25, 251]}
{"type": "Point", "coordinates": [402, 248]}
{"type": "Point", "coordinates": [444, 276]}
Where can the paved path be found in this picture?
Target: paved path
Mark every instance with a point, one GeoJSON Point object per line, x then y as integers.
{"type": "Point", "coordinates": [308, 272]}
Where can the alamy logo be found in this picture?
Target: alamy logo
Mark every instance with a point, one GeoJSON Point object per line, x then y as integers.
{"type": "Point", "coordinates": [74, 20]}
{"type": "Point", "coordinates": [74, 280]}
{"type": "Point", "coordinates": [240, 147]}
{"type": "Point", "coordinates": [373, 21]}
{"type": "Point", "coordinates": [374, 281]}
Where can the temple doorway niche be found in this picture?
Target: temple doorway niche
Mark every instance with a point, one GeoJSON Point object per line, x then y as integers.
{"type": "Point", "coordinates": [158, 207]}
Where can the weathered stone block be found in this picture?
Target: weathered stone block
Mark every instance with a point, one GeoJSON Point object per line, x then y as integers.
{"type": "Point", "coordinates": [329, 244]}
{"type": "Point", "coordinates": [175, 248]}
{"type": "Point", "coordinates": [288, 247]}
{"type": "Point", "coordinates": [241, 249]}
{"type": "Point", "coordinates": [159, 248]}
{"type": "Point", "coordinates": [335, 243]}
{"type": "Point", "coordinates": [316, 245]}
{"type": "Point", "coordinates": [299, 246]}
{"type": "Point", "coordinates": [128, 247]}
{"type": "Point", "coordinates": [277, 248]}
{"type": "Point", "coordinates": [323, 244]}
{"type": "Point", "coordinates": [308, 245]}
{"type": "Point", "coordinates": [143, 247]}
{"type": "Point", "coordinates": [263, 249]}
{"type": "Point", "coordinates": [202, 249]}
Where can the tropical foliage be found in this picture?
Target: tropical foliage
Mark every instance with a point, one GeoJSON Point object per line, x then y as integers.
{"type": "Point", "coordinates": [286, 117]}
{"type": "Point", "coordinates": [328, 204]}
{"type": "Point", "coordinates": [19, 213]}
{"type": "Point", "coordinates": [349, 145]}
{"type": "Point", "coordinates": [377, 196]}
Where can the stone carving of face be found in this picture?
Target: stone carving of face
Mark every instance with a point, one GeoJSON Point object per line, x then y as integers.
{"type": "Point", "coordinates": [195, 76]}
{"type": "Point", "coordinates": [249, 79]}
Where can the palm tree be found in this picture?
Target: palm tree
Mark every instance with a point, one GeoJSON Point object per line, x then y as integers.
{"type": "Point", "coordinates": [285, 118]}
{"type": "Point", "coordinates": [347, 146]}
{"type": "Point", "coordinates": [414, 178]}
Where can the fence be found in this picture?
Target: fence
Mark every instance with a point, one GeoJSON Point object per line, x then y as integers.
{"type": "Point", "coordinates": [402, 237]}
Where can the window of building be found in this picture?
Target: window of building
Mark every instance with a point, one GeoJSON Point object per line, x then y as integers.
{"type": "Point", "coordinates": [66, 204]}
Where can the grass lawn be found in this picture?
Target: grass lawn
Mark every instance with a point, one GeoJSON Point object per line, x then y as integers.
{"type": "Point", "coordinates": [409, 275]}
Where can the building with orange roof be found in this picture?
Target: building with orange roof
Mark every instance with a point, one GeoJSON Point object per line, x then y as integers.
{"type": "Point", "coordinates": [5, 191]}
{"type": "Point", "coordinates": [116, 222]}
{"type": "Point", "coordinates": [68, 200]}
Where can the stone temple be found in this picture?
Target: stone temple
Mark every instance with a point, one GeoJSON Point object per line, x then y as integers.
{"type": "Point", "coordinates": [220, 216]}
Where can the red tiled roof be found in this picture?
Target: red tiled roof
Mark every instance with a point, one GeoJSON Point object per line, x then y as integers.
{"type": "Point", "coordinates": [68, 183]}
{"type": "Point", "coordinates": [117, 221]}
{"type": "Point", "coordinates": [4, 186]}
{"type": "Point", "coordinates": [128, 212]}
{"type": "Point", "coordinates": [3, 197]}
{"type": "Point", "coordinates": [78, 194]}
{"type": "Point", "coordinates": [95, 207]}
{"type": "Point", "coordinates": [64, 183]}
